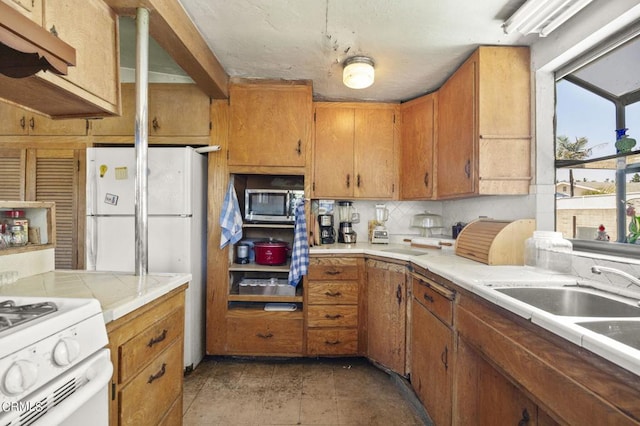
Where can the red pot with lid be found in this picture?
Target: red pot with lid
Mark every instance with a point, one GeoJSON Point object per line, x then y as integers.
{"type": "Point", "coordinates": [271, 252]}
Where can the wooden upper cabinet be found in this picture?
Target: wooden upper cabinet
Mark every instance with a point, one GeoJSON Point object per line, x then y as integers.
{"type": "Point", "coordinates": [91, 27]}
{"type": "Point", "coordinates": [354, 151]}
{"type": "Point", "coordinates": [17, 121]}
{"type": "Point", "coordinates": [32, 9]}
{"type": "Point", "coordinates": [191, 119]}
{"type": "Point", "coordinates": [484, 125]}
{"type": "Point", "coordinates": [456, 135]}
{"type": "Point", "coordinates": [270, 124]}
{"type": "Point", "coordinates": [418, 128]}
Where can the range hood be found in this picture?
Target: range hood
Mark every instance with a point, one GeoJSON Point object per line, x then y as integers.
{"type": "Point", "coordinates": [26, 48]}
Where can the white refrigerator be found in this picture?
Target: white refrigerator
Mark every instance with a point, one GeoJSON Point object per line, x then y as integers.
{"type": "Point", "coordinates": [176, 224]}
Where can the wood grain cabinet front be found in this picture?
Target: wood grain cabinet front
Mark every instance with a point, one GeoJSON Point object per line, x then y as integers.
{"type": "Point", "coordinates": [146, 351]}
{"type": "Point", "coordinates": [268, 333]}
{"type": "Point", "coordinates": [387, 314]}
{"type": "Point", "coordinates": [332, 311]}
{"type": "Point", "coordinates": [191, 119]}
{"type": "Point", "coordinates": [431, 347]}
{"type": "Point", "coordinates": [21, 122]}
{"type": "Point", "coordinates": [483, 145]}
{"type": "Point", "coordinates": [268, 118]}
{"type": "Point", "coordinates": [355, 150]}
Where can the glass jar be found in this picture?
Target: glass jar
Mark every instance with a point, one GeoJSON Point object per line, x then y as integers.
{"type": "Point", "coordinates": [17, 217]}
{"type": "Point", "coordinates": [18, 236]}
{"type": "Point", "coordinates": [548, 250]}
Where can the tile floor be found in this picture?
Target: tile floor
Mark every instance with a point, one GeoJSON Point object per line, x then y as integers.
{"type": "Point", "coordinates": [351, 391]}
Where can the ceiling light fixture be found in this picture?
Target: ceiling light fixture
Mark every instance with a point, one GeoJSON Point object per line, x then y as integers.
{"type": "Point", "coordinates": [542, 16]}
{"type": "Point", "coordinates": [358, 72]}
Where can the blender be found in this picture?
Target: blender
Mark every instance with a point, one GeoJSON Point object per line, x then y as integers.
{"type": "Point", "coordinates": [346, 234]}
{"type": "Point", "coordinates": [380, 235]}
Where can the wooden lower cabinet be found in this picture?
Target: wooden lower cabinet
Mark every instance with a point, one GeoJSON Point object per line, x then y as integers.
{"type": "Point", "coordinates": [254, 332]}
{"type": "Point", "coordinates": [386, 314]}
{"type": "Point", "coordinates": [332, 311]}
{"type": "Point", "coordinates": [432, 349]}
{"type": "Point", "coordinates": [146, 351]}
{"type": "Point", "coordinates": [508, 369]}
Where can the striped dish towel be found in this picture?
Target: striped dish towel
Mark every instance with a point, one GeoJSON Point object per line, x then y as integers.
{"type": "Point", "coordinates": [300, 250]}
{"type": "Point", "coordinates": [230, 218]}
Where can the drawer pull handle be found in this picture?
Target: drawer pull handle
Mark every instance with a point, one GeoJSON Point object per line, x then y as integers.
{"type": "Point", "coordinates": [427, 297]}
{"type": "Point", "coordinates": [444, 357]}
{"type": "Point", "coordinates": [333, 317]}
{"type": "Point", "coordinates": [265, 336]}
{"type": "Point", "coordinates": [155, 124]}
{"type": "Point", "coordinates": [299, 148]}
{"type": "Point", "coordinates": [158, 339]}
{"type": "Point", "coordinates": [332, 294]}
{"type": "Point", "coordinates": [525, 418]}
{"type": "Point", "coordinates": [332, 272]}
{"type": "Point", "coordinates": [23, 123]}
{"type": "Point", "coordinates": [159, 374]}
{"type": "Point", "coordinates": [332, 343]}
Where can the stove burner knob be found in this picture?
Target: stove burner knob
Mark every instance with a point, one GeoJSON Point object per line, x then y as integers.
{"type": "Point", "coordinates": [66, 351]}
{"type": "Point", "coordinates": [19, 377]}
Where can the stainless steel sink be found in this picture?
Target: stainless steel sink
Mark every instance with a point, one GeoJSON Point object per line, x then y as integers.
{"type": "Point", "coordinates": [626, 332]}
{"type": "Point", "coordinates": [571, 302]}
{"type": "Point", "coordinates": [408, 252]}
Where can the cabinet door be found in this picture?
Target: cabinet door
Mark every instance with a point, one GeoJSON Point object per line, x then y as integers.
{"type": "Point", "coordinates": [124, 125]}
{"type": "Point", "coordinates": [15, 121]}
{"type": "Point", "coordinates": [18, 121]}
{"type": "Point", "coordinates": [270, 125]}
{"type": "Point", "coordinates": [12, 174]}
{"type": "Point", "coordinates": [456, 133]}
{"type": "Point", "coordinates": [91, 27]}
{"type": "Point", "coordinates": [416, 154]}
{"type": "Point", "coordinates": [191, 119]}
{"type": "Point", "coordinates": [431, 354]}
{"type": "Point", "coordinates": [333, 152]}
{"type": "Point", "coordinates": [374, 152]}
{"type": "Point", "coordinates": [386, 314]}
{"type": "Point", "coordinates": [57, 175]}
{"type": "Point", "coordinates": [32, 9]}
{"type": "Point", "coordinates": [485, 396]}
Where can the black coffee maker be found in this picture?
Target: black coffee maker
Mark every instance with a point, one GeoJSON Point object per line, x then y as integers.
{"type": "Point", "coordinates": [327, 232]}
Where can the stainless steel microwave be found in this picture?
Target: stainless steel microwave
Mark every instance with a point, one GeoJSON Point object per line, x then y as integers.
{"type": "Point", "coordinates": [271, 205]}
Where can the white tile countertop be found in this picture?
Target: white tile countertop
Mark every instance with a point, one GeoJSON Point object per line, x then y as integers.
{"type": "Point", "coordinates": [118, 293]}
{"type": "Point", "coordinates": [482, 279]}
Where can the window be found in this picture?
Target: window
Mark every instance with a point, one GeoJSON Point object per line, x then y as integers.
{"type": "Point", "coordinates": [598, 153]}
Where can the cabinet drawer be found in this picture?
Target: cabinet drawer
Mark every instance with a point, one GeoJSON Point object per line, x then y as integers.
{"type": "Point", "coordinates": [332, 316]}
{"type": "Point", "coordinates": [145, 346]}
{"type": "Point", "coordinates": [146, 398]}
{"type": "Point", "coordinates": [441, 305]}
{"type": "Point", "coordinates": [264, 336]}
{"type": "Point", "coordinates": [333, 293]}
{"type": "Point", "coordinates": [332, 341]}
{"type": "Point", "coordinates": [332, 269]}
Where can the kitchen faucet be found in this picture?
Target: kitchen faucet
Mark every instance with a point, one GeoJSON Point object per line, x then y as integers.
{"type": "Point", "coordinates": [600, 269]}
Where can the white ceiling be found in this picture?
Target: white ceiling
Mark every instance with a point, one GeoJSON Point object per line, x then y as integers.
{"type": "Point", "coordinates": [415, 44]}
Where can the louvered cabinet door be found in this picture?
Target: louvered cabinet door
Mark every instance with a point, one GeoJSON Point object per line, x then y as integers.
{"type": "Point", "coordinates": [12, 179]}
{"type": "Point", "coordinates": [55, 176]}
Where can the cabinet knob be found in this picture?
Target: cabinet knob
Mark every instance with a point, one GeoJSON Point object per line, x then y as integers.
{"type": "Point", "coordinates": [332, 294]}
{"type": "Point", "coordinates": [444, 357]}
{"type": "Point", "coordinates": [53, 30]}
{"type": "Point", "coordinates": [524, 421]}
{"type": "Point", "coordinates": [467, 169]}
{"type": "Point", "coordinates": [155, 124]}
{"type": "Point", "coordinates": [23, 123]}
{"type": "Point", "coordinates": [299, 148]}
{"type": "Point", "coordinates": [426, 179]}
{"type": "Point", "coordinates": [348, 181]}
{"type": "Point", "coordinates": [159, 374]}
{"type": "Point", "coordinates": [399, 294]}
{"type": "Point", "coordinates": [358, 181]}
{"type": "Point", "coordinates": [333, 317]}
{"type": "Point", "coordinates": [32, 123]}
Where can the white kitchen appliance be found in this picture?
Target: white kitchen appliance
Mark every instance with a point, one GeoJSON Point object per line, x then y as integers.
{"type": "Point", "coordinates": [177, 226]}
{"type": "Point", "coordinates": [380, 233]}
{"type": "Point", "coordinates": [54, 367]}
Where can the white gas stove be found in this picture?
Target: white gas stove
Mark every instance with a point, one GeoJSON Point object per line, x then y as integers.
{"type": "Point", "coordinates": [53, 365]}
